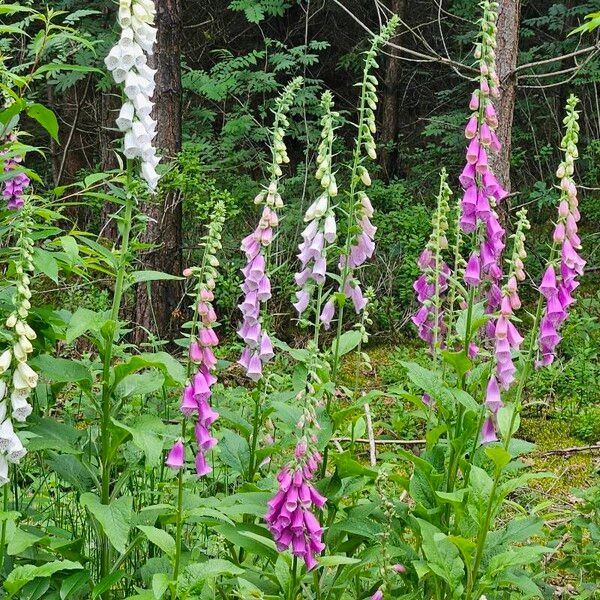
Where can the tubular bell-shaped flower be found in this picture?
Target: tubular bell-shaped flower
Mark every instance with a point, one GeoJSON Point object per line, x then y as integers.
{"type": "Point", "coordinates": [321, 229]}
{"type": "Point", "coordinates": [195, 401]}
{"type": "Point", "coordinates": [482, 191]}
{"type": "Point", "coordinates": [257, 284]}
{"type": "Point", "coordinates": [565, 265]}
{"type": "Point", "coordinates": [128, 63]}
{"type": "Point", "coordinates": [20, 379]}
{"type": "Point", "coordinates": [359, 246]}
{"type": "Point", "coordinates": [15, 186]}
{"type": "Point", "coordinates": [433, 281]}
{"type": "Point", "coordinates": [291, 512]}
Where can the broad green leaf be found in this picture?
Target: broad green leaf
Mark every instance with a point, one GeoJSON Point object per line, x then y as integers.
{"type": "Point", "coordinates": [214, 567]}
{"type": "Point", "coordinates": [115, 518]}
{"type": "Point", "coordinates": [84, 320]}
{"type": "Point", "coordinates": [69, 468]}
{"type": "Point", "coordinates": [348, 341]}
{"type": "Point", "coordinates": [506, 417]}
{"type": "Point", "coordinates": [106, 583]}
{"type": "Point", "coordinates": [160, 584]}
{"type": "Point", "coordinates": [348, 467]}
{"type": "Point", "coordinates": [140, 384]}
{"type": "Point", "coordinates": [337, 559]}
{"type": "Point", "coordinates": [159, 538]}
{"type": "Point", "coordinates": [45, 263]}
{"type": "Point", "coordinates": [459, 361]}
{"type": "Point", "coordinates": [50, 434]}
{"type": "Point", "coordinates": [19, 540]}
{"type": "Point", "coordinates": [45, 117]}
{"type": "Point", "coordinates": [72, 585]}
{"type": "Point", "coordinates": [20, 576]}
{"type": "Point", "coordinates": [442, 555]}
{"type": "Point", "coordinates": [146, 433]}
{"type": "Point", "coordinates": [499, 455]}
{"type": "Point", "coordinates": [234, 451]}
{"type": "Point", "coordinates": [144, 276]}
{"type": "Point", "coordinates": [251, 538]}
{"type": "Point", "coordinates": [62, 370]}
{"type": "Point", "coordinates": [175, 374]}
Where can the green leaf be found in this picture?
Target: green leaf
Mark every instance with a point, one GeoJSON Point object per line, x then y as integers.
{"type": "Point", "coordinates": [347, 342]}
{"type": "Point", "coordinates": [505, 418]}
{"type": "Point", "coordinates": [51, 434]}
{"type": "Point", "coordinates": [499, 455]}
{"type": "Point", "coordinates": [19, 540]}
{"type": "Point", "coordinates": [45, 117]}
{"type": "Point", "coordinates": [140, 384]}
{"type": "Point", "coordinates": [159, 538]}
{"type": "Point", "coordinates": [146, 433]}
{"type": "Point", "coordinates": [175, 374]}
{"type": "Point", "coordinates": [45, 263]}
{"type": "Point", "coordinates": [56, 67]}
{"type": "Point", "coordinates": [253, 538]}
{"type": "Point", "coordinates": [62, 370]}
{"type": "Point", "coordinates": [72, 585]}
{"type": "Point", "coordinates": [84, 320]}
{"type": "Point", "coordinates": [144, 276]}
{"type": "Point", "coordinates": [334, 560]}
{"type": "Point", "coordinates": [214, 567]}
{"type": "Point", "coordinates": [459, 361]}
{"type": "Point", "coordinates": [22, 575]}
{"type": "Point", "coordinates": [442, 555]}
{"type": "Point", "coordinates": [235, 451]}
{"type": "Point", "coordinates": [106, 583]}
{"type": "Point", "coordinates": [73, 471]}
{"type": "Point", "coordinates": [348, 467]}
{"type": "Point", "coordinates": [115, 518]}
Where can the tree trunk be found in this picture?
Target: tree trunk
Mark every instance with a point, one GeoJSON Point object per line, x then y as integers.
{"type": "Point", "coordinates": [156, 303]}
{"type": "Point", "coordinates": [388, 131]}
{"type": "Point", "coordinates": [507, 52]}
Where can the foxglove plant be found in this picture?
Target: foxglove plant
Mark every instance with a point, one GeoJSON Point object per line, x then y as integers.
{"type": "Point", "coordinates": [482, 191]}
{"type": "Point", "coordinates": [257, 283]}
{"type": "Point", "coordinates": [19, 378]}
{"type": "Point", "coordinates": [433, 281]}
{"type": "Point", "coordinates": [128, 63]}
{"type": "Point", "coordinates": [565, 264]}
{"type": "Point", "coordinates": [195, 402]}
{"type": "Point", "coordinates": [321, 229]}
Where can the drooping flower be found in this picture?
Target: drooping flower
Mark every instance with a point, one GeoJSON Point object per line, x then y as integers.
{"type": "Point", "coordinates": [128, 63]}
{"type": "Point", "coordinates": [560, 280]}
{"type": "Point", "coordinates": [488, 432]}
{"type": "Point", "coordinates": [176, 456]}
{"type": "Point", "coordinates": [256, 286]}
{"type": "Point", "coordinates": [321, 229]}
{"type": "Point", "coordinates": [14, 186]}
{"type": "Point", "coordinates": [435, 273]}
{"type": "Point", "coordinates": [20, 379]}
{"type": "Point", "coordinates": [195, 401]}
{"type": "Point", "coordinates": [291, 517]}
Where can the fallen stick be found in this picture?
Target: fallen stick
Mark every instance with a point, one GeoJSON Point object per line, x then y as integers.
{"type": "Point", "coordinates": [372, 448]}
{"type": "Point", "coordinates": [561, 451]}
{"type": "Point", "coordinates": [374, 441]}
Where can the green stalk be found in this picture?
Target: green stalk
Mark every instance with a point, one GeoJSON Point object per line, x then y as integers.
{"type": "Point", "coordinates": [106, 373]}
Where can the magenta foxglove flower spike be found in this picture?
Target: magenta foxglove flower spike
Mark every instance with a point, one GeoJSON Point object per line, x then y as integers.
{"type": "Point", "coordinates": [435, 273]}
{"type": "Point", "coordinates": [256, 286]}
{"type": "Point", "coordinates": [195, 401]}
{"type": "Point", "coordinates": [560, 277]}
{"type": "Point", "coordinates": [15, 186]}
{"type": "Point", "coordinates": [291, 514]}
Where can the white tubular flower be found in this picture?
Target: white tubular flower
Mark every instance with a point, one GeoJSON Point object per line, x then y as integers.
{"type": "Point", "coordinates": [22, 328]}
{"type": "Point", "coordinates": [5, 360]}
{"type": "Point", "coordinates": [28, 375]}
{"type": "Point", "coordinates": [19, 352]}
{"type": "Point", "coordinates": [2, 410]}
{"type": "Point", "coordinates": [15, 450]}
{"type": "Point", "coordinates": [6, 434]}
{"type": "Point", "coordinates": [3, 471]}
{"type": "Point", "coordinates": [125, 118]}
{"type": "Point", "coordinates": [21, 409]}
{"type": "Point", "coordinates": [2, 394]}
{"type": "Point", "coordinates": [128, 63]}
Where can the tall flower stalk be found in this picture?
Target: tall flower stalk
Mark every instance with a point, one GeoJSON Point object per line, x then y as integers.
{"type": "Point", "coordinates": [256, 287]}
{"type": "Point", "coordinates": [359, 245]}
{"type": "Point", "coordinates": [291, 514]}
{"type": "Point", "coordinates": [256, 247]}
{"type": "Point", "coordinates": [128, 63]}
{"type": "Point", "coordinates": [195, 402]}
{"type": "Point", "coordinates": [18, 379]}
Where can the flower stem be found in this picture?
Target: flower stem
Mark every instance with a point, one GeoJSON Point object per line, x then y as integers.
{"type": "Point", "coordinates": [106, 405]}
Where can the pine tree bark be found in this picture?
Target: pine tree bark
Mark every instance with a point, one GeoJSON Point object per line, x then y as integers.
{"type": "Point", "coordinates": [507, 53]}
{"type": "Point", "coordinates": [390, 104]}
{"type": "Point", "coordinates": [156, 303]}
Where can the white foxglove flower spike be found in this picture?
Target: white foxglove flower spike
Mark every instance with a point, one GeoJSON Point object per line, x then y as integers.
{"type": "Point", "coordinates": [127, 62]}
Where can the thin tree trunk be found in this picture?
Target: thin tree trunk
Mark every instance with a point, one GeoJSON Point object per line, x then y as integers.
{"type": "Point", "coordinates": [156, 302]}
{"type": "Point", "coordinates": [390, 104]}
{"type": "Point", "coordinates": [507, 53]}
